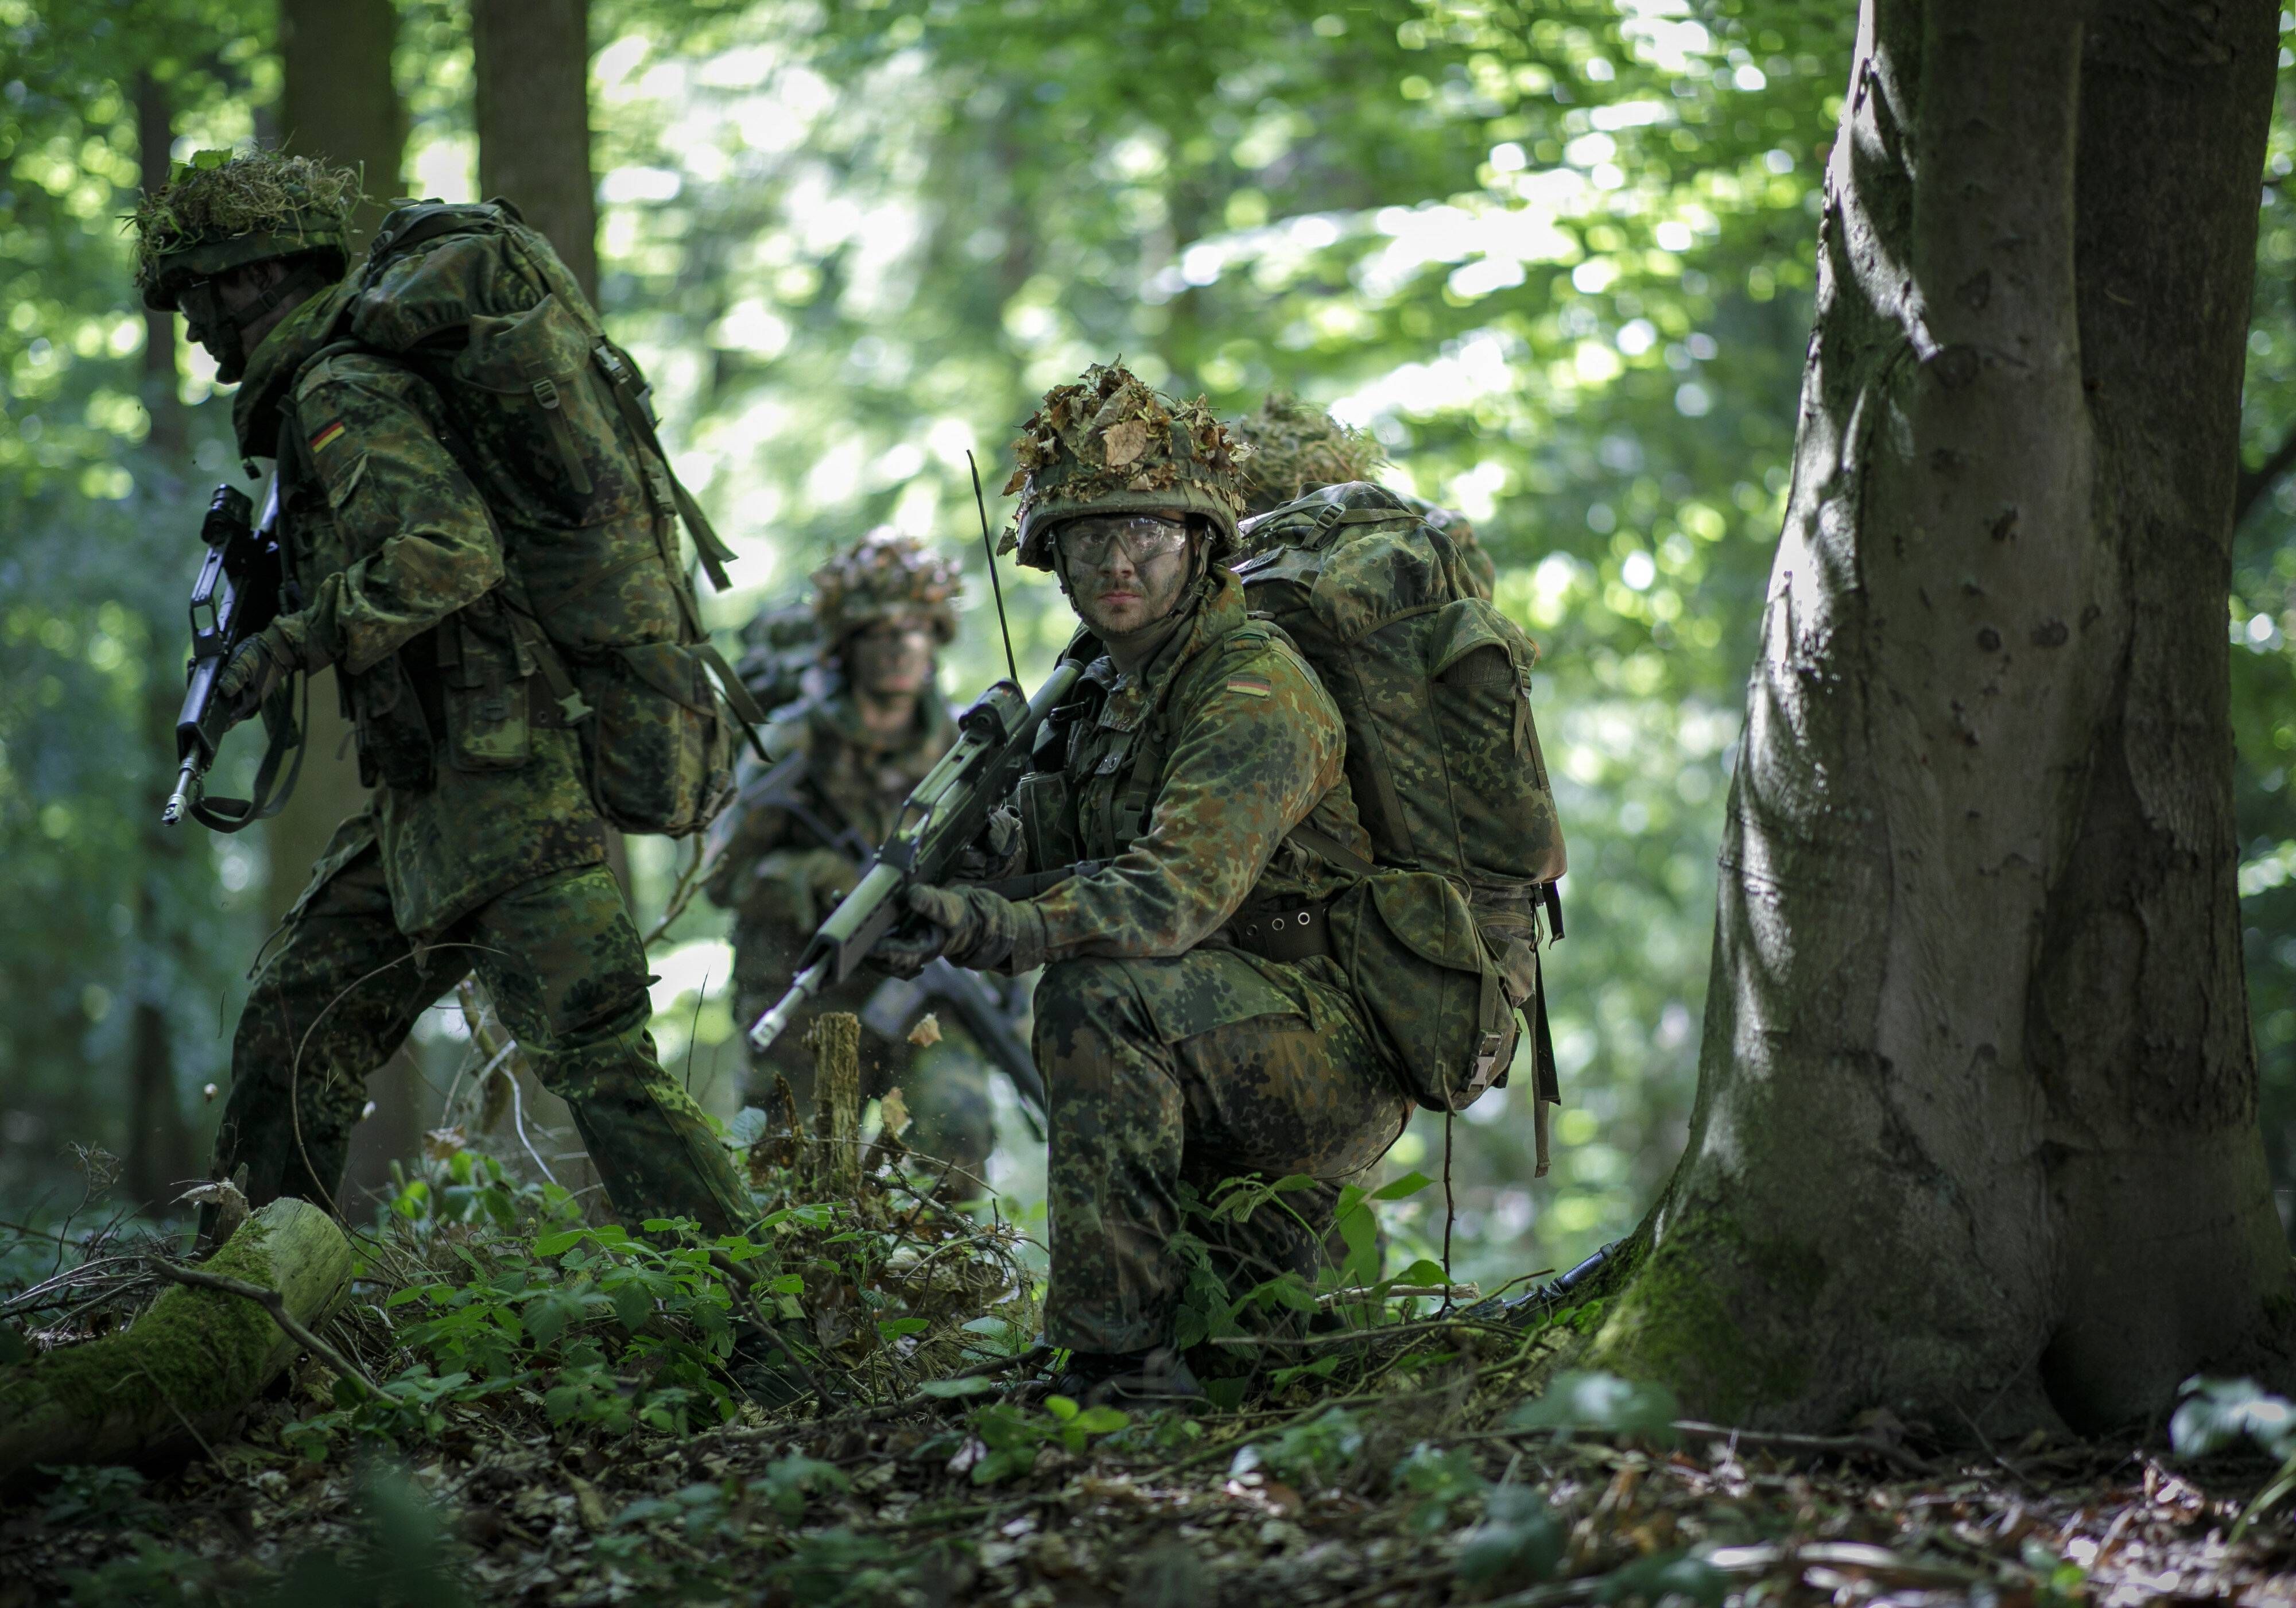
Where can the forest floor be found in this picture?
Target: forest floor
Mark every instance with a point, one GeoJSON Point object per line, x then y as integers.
{"type": "Point", "coordinates": [555, 1413]}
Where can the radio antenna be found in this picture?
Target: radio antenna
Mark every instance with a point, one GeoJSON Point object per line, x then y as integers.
{"type": "Point", "coordinates": [996, 585]}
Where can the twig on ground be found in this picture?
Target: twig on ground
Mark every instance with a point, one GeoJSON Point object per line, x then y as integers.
{"type": "Point", "coordinates": [1863, 1445]}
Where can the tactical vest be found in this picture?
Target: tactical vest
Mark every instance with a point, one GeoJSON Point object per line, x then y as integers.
{"type": "Point", "coordinates": [1433, 682]}
{"type": "Point", "coordinates": [552, 421]}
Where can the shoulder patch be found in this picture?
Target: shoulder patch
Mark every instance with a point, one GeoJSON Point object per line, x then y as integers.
{"type": "Point", "coordinates": [327, 435]}
{"type": "Point", "coordinates": [1251, 686]}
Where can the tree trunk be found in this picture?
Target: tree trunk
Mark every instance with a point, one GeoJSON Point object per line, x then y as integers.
{"type": "Point", "coordinates": [1975, 1136]}
{"type": "Point", "coordinates": [159, 1159]}
{"type": "Point", "coordinates": [341, 104]}
{"type": "Point", "coordinates": [187, 1368]}
{"type": "Point", "coordinates": [532, 61]}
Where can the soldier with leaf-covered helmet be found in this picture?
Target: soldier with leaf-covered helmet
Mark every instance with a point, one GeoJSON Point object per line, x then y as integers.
{"type": "Point", "coordinates": [858, 719]}
{"type": "Point", "coordinates": [1191, 1024]}
{"type": "Point", "coordinates": [480, 540]}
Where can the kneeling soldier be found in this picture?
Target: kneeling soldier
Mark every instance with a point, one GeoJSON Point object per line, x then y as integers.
{"type": "Point", "coordinates": [1189, 1026]}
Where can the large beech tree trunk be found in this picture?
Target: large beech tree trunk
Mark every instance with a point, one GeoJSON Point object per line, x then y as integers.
{"type": "Point", "coordinates": [1975, 1136]}
{"type": "Point", "coordinates": [188, 1367]}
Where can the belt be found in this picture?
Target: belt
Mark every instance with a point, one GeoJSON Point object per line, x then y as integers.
{"type": "Point", "coordinates": [1295, 930]}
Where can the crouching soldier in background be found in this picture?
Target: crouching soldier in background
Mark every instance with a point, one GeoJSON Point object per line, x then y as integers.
{"type": "Point", "coordinates": [1195, 786]}
{"type": "Point", "coordinates": [1297, 447]}
{"type": "Point", "coordinates": [860, 712]}
{"type": "Point", "coordinates": [489, 561]}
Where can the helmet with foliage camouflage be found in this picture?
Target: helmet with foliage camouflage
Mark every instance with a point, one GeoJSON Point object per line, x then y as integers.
{"type": "Point", "coordinates": [1297, 447]}
{"type": "Point", "coordinates": [217, 212]}
{"type": "Point", "coordinates": [1108, 444]}
{"type": "Point", "coordinates": [884, 576]}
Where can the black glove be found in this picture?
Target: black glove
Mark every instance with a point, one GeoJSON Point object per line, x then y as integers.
{"type": "Point", "coordinates": [250, 677]}
{"type": "Point", "coordinates": [972, 927]}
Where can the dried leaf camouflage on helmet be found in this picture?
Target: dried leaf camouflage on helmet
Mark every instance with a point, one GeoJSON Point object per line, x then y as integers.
{"type": "Point", "coordinates": [218, 211]}
{"type": "Point", "coordinates": [1110, 444]}
{"type": "Point", "coordinates": [884, 576]}
{"type": "Point", "coordinates": [1296, 447]}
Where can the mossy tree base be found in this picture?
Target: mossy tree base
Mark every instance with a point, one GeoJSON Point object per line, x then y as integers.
{"type": "Point", "coordinates": [1976, 1132]}
{"type": "Point", "coordinates": [184, 1370]}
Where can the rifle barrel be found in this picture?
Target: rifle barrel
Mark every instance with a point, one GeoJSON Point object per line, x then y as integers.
{"type": "Point", "coordinates": [773, 1022]}
{"type": "Point", "coordinates": [180, 800]}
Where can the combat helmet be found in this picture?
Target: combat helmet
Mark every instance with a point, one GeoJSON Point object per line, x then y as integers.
{"type": "Point", "coordinates": [1109, 444]}
{"type": "Point", "coordinates": [883, 577]}
{"type": "Point", "coordinates": [1296, 448]}
{"type": "Point", "coordinates": [218, 211]}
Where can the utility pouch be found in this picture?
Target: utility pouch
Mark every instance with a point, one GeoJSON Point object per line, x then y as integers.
{"type": "Point", "coordinates": [394, 739]}
{"type": "Point", "coordinates": [489, 720]}
{"type": "Point", "coordinates": [1048, 831]}
{"type": "Point", "coordinates": [1429, 982]}
{"type": "Point", "coordinates": [658, 742]}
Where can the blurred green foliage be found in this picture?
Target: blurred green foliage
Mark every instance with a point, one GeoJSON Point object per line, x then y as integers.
{"type": "Point", "coordinates": [1556, 256]}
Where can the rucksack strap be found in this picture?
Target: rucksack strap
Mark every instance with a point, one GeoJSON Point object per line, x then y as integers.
{"type": "Point", "coordinates": [715, 554]}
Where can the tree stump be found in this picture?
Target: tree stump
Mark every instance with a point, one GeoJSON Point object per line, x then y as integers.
{"type": "Point", "coordinates": [835, 1040]}
{"type": "Point", "coordinates": [182, 1373]}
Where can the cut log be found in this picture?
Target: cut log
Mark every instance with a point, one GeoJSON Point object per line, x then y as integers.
{"type": "Point", "coordinates": [180, 1375]}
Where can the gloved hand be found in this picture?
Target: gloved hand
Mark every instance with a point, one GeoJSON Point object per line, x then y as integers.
{"type": "Point", "coordinates": [970, 926]}
{"type": "Point", "coordinates": [262, 661]}
{"type": "Point", "coordinates": [996, 852]}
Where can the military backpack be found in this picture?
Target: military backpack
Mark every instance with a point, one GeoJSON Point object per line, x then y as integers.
{"type": "Point", "coordinates": [551, 421]}
{"type": "Point", "coordinates": [1433, 682]}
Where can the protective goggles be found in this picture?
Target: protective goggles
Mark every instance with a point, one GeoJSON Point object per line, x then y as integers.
{"type": "Point", "coordinates": [1093, 540]}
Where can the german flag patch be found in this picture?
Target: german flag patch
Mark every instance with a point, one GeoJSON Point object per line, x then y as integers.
{"type": "Point", "coordinates": [1251, 686]}
{"type": "Point", "coordinates": [328, 435]}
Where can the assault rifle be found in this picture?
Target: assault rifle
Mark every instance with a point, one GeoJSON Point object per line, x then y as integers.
{"type": "Point", "coordinates": [941, 819]}
{"type": "Point", "coordinates": [988, 1011]}
{"type": "Point", "coordinates": [240, 588]}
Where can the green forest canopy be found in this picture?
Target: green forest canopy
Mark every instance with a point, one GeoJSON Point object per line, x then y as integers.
{"type": "Point", "coordinates": [1557, 257]}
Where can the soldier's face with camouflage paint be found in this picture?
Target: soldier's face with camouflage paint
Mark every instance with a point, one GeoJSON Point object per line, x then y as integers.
{"type": "Point", "coordinates": [892, 658]}
{"type": "Point", "coordinates": [1122, 581]}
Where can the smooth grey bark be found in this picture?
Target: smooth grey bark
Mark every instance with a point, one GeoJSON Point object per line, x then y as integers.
{"type": "Point", "coordinates": [1976, 1136]}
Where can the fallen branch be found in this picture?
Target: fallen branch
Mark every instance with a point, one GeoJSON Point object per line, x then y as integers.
{"type": "Point", "coordinates": [184, 1371]}
{"type": "Point", "coordinates": [271, 1301]}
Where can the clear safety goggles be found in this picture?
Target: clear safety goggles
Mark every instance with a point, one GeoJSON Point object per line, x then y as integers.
{"type": "Point", "coordinates": [1095, 538]}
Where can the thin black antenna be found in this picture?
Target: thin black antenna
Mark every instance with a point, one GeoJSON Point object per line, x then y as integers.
{"type": "Point", "coordinates": [996, 585]}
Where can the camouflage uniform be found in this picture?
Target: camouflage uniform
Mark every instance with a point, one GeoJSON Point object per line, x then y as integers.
{"type": "Point", "coordinates": [791, 845]}
{"type": "Point", "coordinates": [481, 845]}
{"type": "Point", "coordinates": [1173, 1054]}
{"type": "Point", "coordinates": [1296, 448]}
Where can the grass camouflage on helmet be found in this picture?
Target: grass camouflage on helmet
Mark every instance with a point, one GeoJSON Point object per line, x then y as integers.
{"type": "Point", "coordinates": [884, 576]}
{"type": "Point", "coordinates": [1296, 447]}
{"type": "Point", "coordinates": [1110, 444]}
{"type": "Point", "coordinates": [218, 211]}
